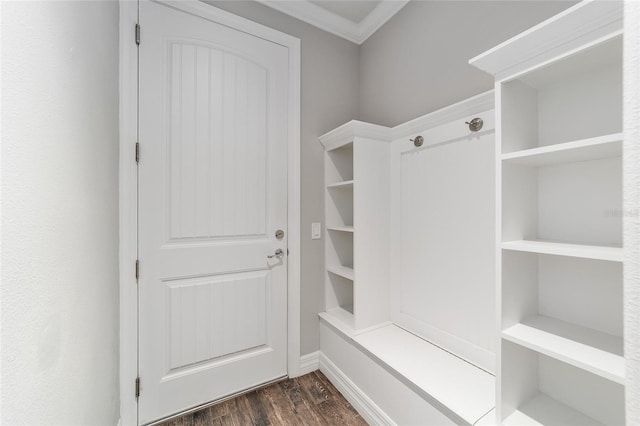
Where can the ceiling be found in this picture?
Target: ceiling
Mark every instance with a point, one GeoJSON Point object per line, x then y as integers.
{"type": "Point", "coordinates": [354, 11]}
{"type": "Point", "coordinates": [354, 20]}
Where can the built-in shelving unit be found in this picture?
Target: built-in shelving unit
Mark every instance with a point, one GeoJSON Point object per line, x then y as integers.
{"type": "Point", "coordinates": [413, 377]}
{"type": "Point", "coordinates": [339, 249]}
{"type": "Point", "coordinates": [357, 221]}
{"type": "Point", "coordinates": [560, 249]}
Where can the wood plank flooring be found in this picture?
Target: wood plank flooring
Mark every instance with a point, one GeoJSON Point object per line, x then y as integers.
{"type": "Point", "coordinates": [307, 400]}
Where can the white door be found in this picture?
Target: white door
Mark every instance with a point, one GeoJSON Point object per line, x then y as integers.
{"type": "Point", "coordinates": [212, 193]}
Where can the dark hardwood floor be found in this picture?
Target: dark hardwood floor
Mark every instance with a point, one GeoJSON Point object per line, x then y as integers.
{"type": "Point", "coordinates": [307, 400]}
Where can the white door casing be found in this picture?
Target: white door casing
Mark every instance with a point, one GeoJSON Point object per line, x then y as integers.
{"type": "Point", "coordinates": [214, 126]}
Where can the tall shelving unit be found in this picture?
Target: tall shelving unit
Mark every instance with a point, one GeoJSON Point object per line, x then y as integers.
{"type": "Point", "coordinates": [357, 223]}
{"type": "Point", "coordinates": [560, 254]}
{"type": "Point", "coordinates": [340, 233]}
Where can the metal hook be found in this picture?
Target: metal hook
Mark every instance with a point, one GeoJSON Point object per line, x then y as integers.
{"type": "Point", "coordinates": [475, 124]}
{"type": "Point", "coordinates": [418, 141]}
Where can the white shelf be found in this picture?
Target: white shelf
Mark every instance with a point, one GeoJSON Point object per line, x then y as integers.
{"type": "Point", "coordinates": [343, 271]}
{"type": "Point", "coordinates": [613, 254]}
{"type": "Point", "coordinates": [344, 184]}
{"type": "Point", "coordinates": [596, 352]}
{"type": "Point", "coordinates": [341, 228]}
{"type": "Point", "coordinates": [543, 410]}
{"type": "Point", "coordinates": [607, 146]}
{"type": "Point", "coordinates": [341, 318]}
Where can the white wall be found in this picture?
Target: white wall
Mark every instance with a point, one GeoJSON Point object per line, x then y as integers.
{"type": "Point", "coordinates": [418, 61]}
{"type": "Point", "coordinates": [443, 237]}
{"type": "Point", "coordinates": [632, 208]}
{"type": "Point", "coordinates": [59, 213]}
{"type": "Point", "coordinates": [329, 97]}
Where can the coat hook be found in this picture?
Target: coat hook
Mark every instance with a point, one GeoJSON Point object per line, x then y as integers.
{"type": "Point", "coordinates": [475, 124]}
{"type": "Point", "coordinates": [418, 141]}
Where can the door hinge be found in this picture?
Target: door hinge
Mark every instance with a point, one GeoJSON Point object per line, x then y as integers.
{"type": "Point", "coordinates": [137, 387]}
{"type": "Point", "coordinates": [138, 34]}
{"type": "Point", "coordinates": [137, 269]}
{"type": "Point", "coordinates": [137, 152]}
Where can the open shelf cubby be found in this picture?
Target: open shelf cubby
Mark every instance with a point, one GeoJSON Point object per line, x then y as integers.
{"type": "Point", "coordinates": [576, 202]}
{"type": "Point", "coordinates": [339, 206]}
{"type": "Point", "coordinates": [339, 293]}
{"type": "Point", "coordinates": [567, 308]}
{"type": "Point", "coordinates": [574, 98]}
{"type": "Point", "coordinates": [540, 390]}
{"type": "Point", "coordinates": [339, 165]}
{"type": "Point", "coordinates": [340, 245]}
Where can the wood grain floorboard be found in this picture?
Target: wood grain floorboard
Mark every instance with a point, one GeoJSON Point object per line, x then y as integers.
{"type": "Point", "coordinates": [307, 400]}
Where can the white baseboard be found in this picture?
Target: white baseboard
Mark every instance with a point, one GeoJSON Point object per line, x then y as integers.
{"type": "Point", "coordinates": [309, 362]}
{"type": "Point", "coordinates": [356, 397]}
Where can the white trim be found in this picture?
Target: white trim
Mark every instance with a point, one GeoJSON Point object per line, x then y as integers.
{"type": "Point", "coordinates": [586, 21]}
{"type": "Point", "coordinates": [344, 134]}
{"type": "Point", "coordinates": [473, 105]}
{"type": "Point", "coordinates": [293, 210]}
{"type": "Point", "coordinates": [128, 214]}
{"type": "Point", "coordinates": [347, 132]}
{"type": "Point", "coordinates": [631, 176]}
{"type": "Point", "coordinates": [498, 251]}
{"type": "Point", "coordinates": [378, 17]}
{"type": "Point", "coordinates": [309, 362]}
{"type": "Point", "coordinates": [214, 14]}
{"type": "Point", "coordinates": [368, 409]}
{"type": "Point", "coordinates": [356, 32]}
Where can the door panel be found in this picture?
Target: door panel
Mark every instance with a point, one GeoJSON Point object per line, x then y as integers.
{"type": "Point", "coordinates": [212, 192]}
{"type": "Point", "coordinates": [218, 124]}
{"type": "Point", "coordinates": [211, 317]}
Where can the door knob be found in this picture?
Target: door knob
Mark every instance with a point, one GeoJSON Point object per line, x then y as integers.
{"type": "Point", "coordinates": [278, 254]}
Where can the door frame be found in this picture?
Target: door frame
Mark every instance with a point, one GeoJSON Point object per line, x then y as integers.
{"type": "Point", "coordinates": [128, 214]}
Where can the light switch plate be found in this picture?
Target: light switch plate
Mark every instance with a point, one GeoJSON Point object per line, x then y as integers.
{"type": "Point", "coordinates": [315, 231]}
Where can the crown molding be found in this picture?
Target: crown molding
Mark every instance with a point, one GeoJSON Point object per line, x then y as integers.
{"type": "Point", "coordinates": [587, 22]}
{"type": "Point", "coordinates": [378, 17]}
{"type": "Point", "coordinates": [475, 104]}
{"type": "Point", "coordinates": [354, 129]}
{"type": "Point", "coordinates": [328, 21]}
{"type": "Point", "coordinates": [359, 129]}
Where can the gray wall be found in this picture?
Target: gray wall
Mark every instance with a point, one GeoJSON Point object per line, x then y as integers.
{"type": "Point", "coordinates": [328, 99]}
{"type": "Point", "coordinates": [60, 213]}
{"type": "Point", "coordinates": [418, 61]}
